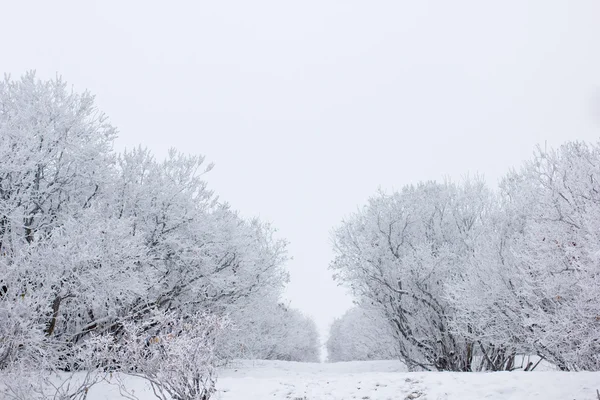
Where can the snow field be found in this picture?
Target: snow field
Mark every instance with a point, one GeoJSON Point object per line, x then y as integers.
{"type": "Point", "coordinates": [377, 380]}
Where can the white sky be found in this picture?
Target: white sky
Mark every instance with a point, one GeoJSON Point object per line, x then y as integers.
{"type": "Point", "coordinates": [307, 107]}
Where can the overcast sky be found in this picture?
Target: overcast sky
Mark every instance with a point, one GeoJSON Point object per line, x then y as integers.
{"type": "Point", "coordinates": [307, 107]}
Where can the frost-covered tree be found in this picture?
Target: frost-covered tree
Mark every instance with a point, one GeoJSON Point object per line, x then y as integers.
{"type": "Point", "coordinates": [194, 252]}
{"type": "Point", "coordinates": [360, 335]}
{"type": "Point", "coordinates": [267, 329]}
{"type": "Point", "coordinates": [92, 242]}
{"type": "Point", "coordinates": [55, 162]}
{"type": "Point", "coordinates": [56, 157]}
{"type": "Point", "coordinates": [540, 291]}
{"type": "Point", "coordinates": [397, 254]}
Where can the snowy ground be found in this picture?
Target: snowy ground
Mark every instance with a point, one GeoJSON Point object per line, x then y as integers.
{"type": "Point", "coordinates": [247, 380]}
{"type": "Point", "coordinates": [386, 380]}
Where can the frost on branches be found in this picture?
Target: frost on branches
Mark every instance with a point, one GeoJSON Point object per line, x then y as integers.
{"type": "Point", "coordinates": [361, 335]}
{"type": "Point", "coordinates": [469, 279]}
{"type": "Point", "coordinates": [92, 242]}
{"type": "Point", "coordinates": [541, 290]}
{"type": "Point", "coordinates": [269, 330]}
{"type": "Point", "coordinates": [174, 354]}
{"type": "Point", "coordinates": [397, 255]}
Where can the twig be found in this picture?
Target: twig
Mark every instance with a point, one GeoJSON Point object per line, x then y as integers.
{"type": "Point", "coordinates": [537, 363]}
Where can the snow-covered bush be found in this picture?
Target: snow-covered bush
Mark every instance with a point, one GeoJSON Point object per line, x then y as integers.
{"type": "Point", "coordinates": [56, 374]}
{"type": "Point", "coordinates": [92, 242]}
{"type": "Point", "coordinates": [469, 279]}
{"type": "Point", "coordinates": [540, 292]}
{"type": "Point", "coordinates": [397, 254]}
{"type": "Point", "coordinates": [201, 253]}
{"type": "Point", "coordinates": [174, 354]}
{"type": "Point", "coordinates": [55, 152]}
{"type": "Point", "coordinates": [361, 335]}
{"type": "Point", "coordinates": [269, 330]}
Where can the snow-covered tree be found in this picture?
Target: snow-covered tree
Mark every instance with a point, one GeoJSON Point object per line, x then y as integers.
{"type": "Point", "coordinates": [540, 291]}
{"type": "Point", "coordinates": [56, 156]}
{"type": "Point", "coordinates": [55, 162]}
{"type": "Point", "coordinates": [397, 254]}
{"type": "Point", "coordinates": [267, 329]}
{"type": "Point", "coordinates": [360, 335]}
{"type": "Point", "coordinates": [196, 253]}
{"type": "Point", "coordinates": [92, 242]}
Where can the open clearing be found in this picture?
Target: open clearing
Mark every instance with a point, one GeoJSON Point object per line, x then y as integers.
{"type": "Point", "coordinates": [379, 380]}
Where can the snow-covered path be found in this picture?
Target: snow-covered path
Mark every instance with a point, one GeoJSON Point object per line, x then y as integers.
{"type": "Point", "coordinates": [379, 380]}
{"type": "Point", "coordinates": [386, 380]}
